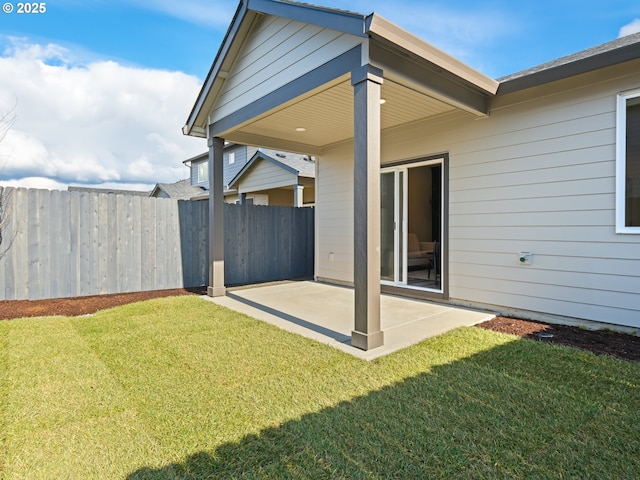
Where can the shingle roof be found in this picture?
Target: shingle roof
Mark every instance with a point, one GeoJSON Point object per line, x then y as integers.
{"type": "Point", "coordinates": [305, 165]}
{"type": "Point", "coordinates": [180, 190]}
{"type": "Point", "coordinates": [110, 191]}
{"type": "Point", "coordinates": [610, 53]}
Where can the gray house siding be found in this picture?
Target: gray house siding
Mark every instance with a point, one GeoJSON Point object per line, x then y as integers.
{"type": "Point", "coordinates": [242, 154]}
{"type": "Point", "coordinates": [194, 175]}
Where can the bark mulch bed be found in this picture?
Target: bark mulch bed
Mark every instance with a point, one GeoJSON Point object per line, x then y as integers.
{"type": "Point", "coordinates": [606, 342]}
{"type": "Point", "coordinates": [71, 307]}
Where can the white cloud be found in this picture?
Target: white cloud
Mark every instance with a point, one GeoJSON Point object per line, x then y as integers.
{"type": "Point", "coordinates": [92, 123]}
{"type": "Point", "coordinates": [34, 182]}
{"type": "Point", "coordinates": [630, 28]}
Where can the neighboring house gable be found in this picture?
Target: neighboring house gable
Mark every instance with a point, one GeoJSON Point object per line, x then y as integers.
{"type": "Point", "coordinates": [286, 178]}
{"type": "Point", "coordinates": [235, 157]}
{"type": "Point", "coordinates": [245, 172]}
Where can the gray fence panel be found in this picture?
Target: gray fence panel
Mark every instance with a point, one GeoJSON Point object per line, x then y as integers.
{"type": "Point", "coordinates": [67, 244]}
{"type": "Point", "coordinates": [267, 243]}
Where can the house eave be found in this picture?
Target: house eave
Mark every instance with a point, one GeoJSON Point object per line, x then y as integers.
{"type": "Point", "coordinates": [382, 29]}
{"type": "Point", "coordinates": [545, 74]}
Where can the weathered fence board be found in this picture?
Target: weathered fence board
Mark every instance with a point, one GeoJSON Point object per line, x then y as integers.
{"type": "Point", "coordinates": [67, 244]}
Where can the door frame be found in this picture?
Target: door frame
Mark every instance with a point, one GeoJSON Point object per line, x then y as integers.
{"type": "Point", "coordinates": [412, 291]}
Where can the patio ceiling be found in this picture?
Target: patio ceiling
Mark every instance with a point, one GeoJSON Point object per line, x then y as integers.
{"type": "Point", "coordinates": [327, 116]}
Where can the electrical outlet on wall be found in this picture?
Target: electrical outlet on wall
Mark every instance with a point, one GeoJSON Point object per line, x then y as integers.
{"type": "Point", "coordinates": [525, 258]}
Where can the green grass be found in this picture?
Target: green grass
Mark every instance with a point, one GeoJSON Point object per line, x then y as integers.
{"type": "Point", "coordinates": [182, 388]}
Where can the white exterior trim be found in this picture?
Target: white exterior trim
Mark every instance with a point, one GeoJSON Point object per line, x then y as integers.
{"type": "Point", "coordinates": [621, 161]}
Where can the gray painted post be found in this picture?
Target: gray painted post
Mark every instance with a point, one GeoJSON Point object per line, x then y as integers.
{"type": "Point", "coordinates": [366, 82]}
{"type": "Point", "coordinates": [216, 219]}
{"type": "Point", "coordinates": [298, 198]}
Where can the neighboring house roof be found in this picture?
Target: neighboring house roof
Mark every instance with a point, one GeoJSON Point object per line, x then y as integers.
{"type": "Point", "coordinates": [300, 165]}
{"type": "Point", "coordinates": [109, 191]}
{"type": "Point", "coordinates": [371, 26]}
{"type": "Point", "coordinates": [180, 190]}
{"type": "Point", "coordinates": [605, 55]}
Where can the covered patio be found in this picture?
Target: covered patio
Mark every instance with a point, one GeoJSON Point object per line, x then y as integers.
{"type": "Point", "coordinates": [327, 83]}
{"type": "Point", "coordinates": [325, 313]}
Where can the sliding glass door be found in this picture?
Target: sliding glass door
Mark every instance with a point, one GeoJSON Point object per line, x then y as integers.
{"type": "Point", "coordinates": [411, 225]}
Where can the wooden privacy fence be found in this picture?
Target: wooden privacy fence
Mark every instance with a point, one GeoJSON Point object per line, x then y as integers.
{"type": "Point", "coordinates": [267, 243]}
{"type": "Point", "coordinates": [66, 244]}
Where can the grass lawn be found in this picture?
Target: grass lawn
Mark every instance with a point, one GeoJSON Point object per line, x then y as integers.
{"type": "Point", "coordinates": [182, 388]}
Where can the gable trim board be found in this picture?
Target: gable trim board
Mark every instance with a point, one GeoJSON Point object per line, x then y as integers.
{"type": "Point", "coordinates": [536, 173]}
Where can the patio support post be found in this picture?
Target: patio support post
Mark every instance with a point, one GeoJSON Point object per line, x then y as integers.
{"type": "Point", "coordinates": [366, 233]}
{"type": "Point", "coordinates": [216, 219]}
{"type": "Point", "coordinates": [298, 192]}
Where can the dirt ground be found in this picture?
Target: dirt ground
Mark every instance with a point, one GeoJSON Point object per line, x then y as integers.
{"type": "Point", "coordinates": [605, 342]}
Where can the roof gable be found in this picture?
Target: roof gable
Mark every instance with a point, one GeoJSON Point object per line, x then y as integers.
{"type": "Point", "coordinates": [361, 28]}
{"type": "Point", "coordinates": [291, 163]}
{"type": "Point", "coordinates": [247, 13]}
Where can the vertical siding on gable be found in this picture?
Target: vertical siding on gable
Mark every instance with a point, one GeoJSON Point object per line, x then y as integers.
{"type": "Point", "coordinates": [276, 52]}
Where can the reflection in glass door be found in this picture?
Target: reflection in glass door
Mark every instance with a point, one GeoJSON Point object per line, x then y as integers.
{"type": "Point", "coordinates": [391, 220]}
{"type": "Point", "coordinates": [411, 225]}
{"type": "Point", "coordinates": [387, 226]}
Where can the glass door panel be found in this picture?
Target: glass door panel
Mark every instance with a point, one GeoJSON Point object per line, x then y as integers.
{"type": "Point", "coordinates": [411, 225]}
{"type": "Point", "coordinates": [387, 226]}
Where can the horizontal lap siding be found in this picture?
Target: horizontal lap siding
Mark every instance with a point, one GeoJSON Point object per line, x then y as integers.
{"type": "Point", "coordinates": [549, 189]}
{"type": "Point", "coordinates": [334, 215]}
{"type": "Point", "coordinates": [538, 176]}
{"type": "Point", "coordinates": [276, 52]}
{"type": "Point", "coordinates": [264, 175]}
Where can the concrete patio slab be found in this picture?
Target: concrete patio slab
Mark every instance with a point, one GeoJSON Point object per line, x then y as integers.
{"type": "Point", "coordinates": [325, 313]}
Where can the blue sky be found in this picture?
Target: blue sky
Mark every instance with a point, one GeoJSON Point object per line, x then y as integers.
{"type": "Point", "coordinates": [100, 89]}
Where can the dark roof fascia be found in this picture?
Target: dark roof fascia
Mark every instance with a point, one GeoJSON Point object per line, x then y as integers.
{"type": "Point", "coordinates": [201, 156]}
{"type": "Point", "coordinates": [341, 20]}
{"type": "Point", "coordinates": [227, 41]}
{"type": "Point", "coordinates": [257, 156]}
{"type": "Point", "coordinates": [541, 75]}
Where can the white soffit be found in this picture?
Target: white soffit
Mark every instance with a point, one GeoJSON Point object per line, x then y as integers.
{"type": "Point", "coordinates": [327, 116]}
